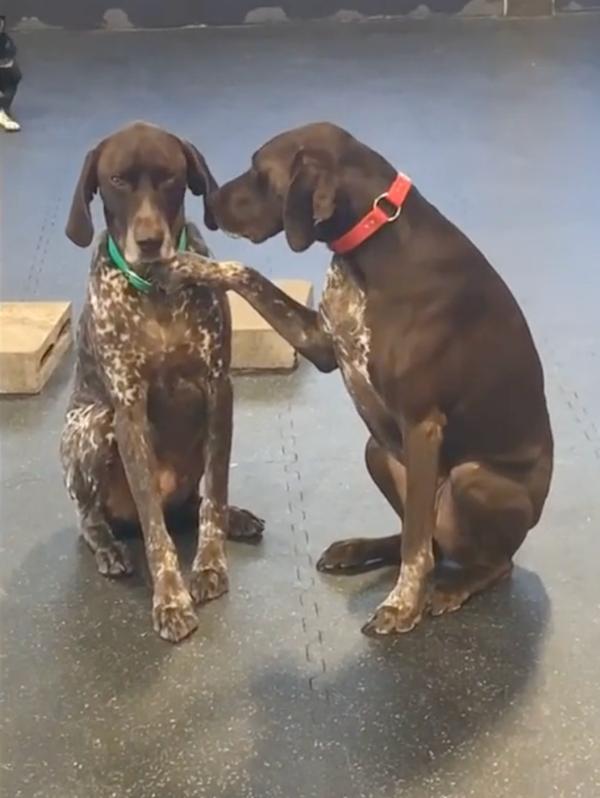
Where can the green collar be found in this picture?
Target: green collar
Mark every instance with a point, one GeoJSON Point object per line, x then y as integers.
{"type": "Point", "coordinates": [133, 278]}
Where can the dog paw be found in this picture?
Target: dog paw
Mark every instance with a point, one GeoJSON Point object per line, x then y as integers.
{"type": "Point", "coordinates": [167, 277]}
{"type": "Point", "coordinates": [442, 601]}
{"type": "Point", "coordinates": [209, 583]}
{"type": "Point", "coordinates": [113, 560]}
{"type": "Point", "coordinates": [245, 526]}
{"type": "Point", "coordinates": [345, 555]}
{"type": "Point", "coordinates": [174, 619]}
{"type": "Point", "coordinates": [390, 619]}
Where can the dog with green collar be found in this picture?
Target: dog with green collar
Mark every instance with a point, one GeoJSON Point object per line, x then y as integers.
{"type": "Point", "coordinates": [132, 277]}
{"type": "Point", "coordinates": [151, 411]}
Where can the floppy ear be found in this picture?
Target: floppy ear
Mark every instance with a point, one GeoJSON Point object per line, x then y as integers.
{"type": "Point", "coordinates": [200, 179]}
{"type": "Point", "coordinates": [79, 224]}
{"type": "Point", "coordinates": [310, 199]}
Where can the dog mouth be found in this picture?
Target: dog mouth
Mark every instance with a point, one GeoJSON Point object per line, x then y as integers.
{"type": "Point", "coordinates": [249, 236]}
{"type": "Point", "coordinates": [255, 237]}
{"type": "Point", "coordinates": [258, 239]}
{"type": "Point", "coordinates": [240, 233]}
{"type": "Point", "coordinates": [160, 257]}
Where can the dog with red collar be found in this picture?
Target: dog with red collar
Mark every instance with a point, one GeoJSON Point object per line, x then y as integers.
{"type": "Point", "coordinates": [432, 347]}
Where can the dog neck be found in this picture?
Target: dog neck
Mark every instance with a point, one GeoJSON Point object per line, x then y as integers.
{"type": "Point", "coordinates": [372, 255]}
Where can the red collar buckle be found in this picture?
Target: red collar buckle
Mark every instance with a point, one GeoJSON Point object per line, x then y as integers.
{"type": "Point", "coordinates": [376, 218]}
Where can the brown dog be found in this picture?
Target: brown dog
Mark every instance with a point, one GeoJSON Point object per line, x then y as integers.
{"type": "Point", "coordinates": [151, 410]}
{"type": "Point", "coordinates": [432, 347]}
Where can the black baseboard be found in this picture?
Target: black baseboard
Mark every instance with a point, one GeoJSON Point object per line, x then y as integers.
{"type": "Point", "coordinates": [123, 14]}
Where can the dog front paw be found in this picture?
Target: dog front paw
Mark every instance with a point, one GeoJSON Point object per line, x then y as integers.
{"type": "Point", "coordinates": [346, 556]}
{"type": "Point", "coordinates": [243, 525]}
{"type": "Point", "coordinates": [169, 277]}
{"type": "Point", "coordinates": [188, 269]}
{"type": "Point", "coordinates": [174, 617]}
{"type": "Point", "coordinates": [392, 619]}
{"type": "Point", "coordinates": [443, 601]}
{"type": "Point", "coordinates": [208, 583]}
{"type": "Point", "coordinates": [113, 560]}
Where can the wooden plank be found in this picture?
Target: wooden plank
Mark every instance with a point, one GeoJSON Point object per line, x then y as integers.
{"type": "Point", "coordinates": [255, 345]}
{"type": "Point", "coordinates": [34, 336]}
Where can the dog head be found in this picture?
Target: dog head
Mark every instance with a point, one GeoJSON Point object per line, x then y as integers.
{"type": "Point", "coordinates": [313, 182]}
{"type": "Point", "coordinates": [141, 174]}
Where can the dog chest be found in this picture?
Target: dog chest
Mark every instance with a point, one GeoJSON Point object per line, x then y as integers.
{"type": "Point", "coordinates": [145, 337]}
{"type": "Point", "coordinates": [343, 312]}
{"type": "Point", "coordinates": [344, 316]}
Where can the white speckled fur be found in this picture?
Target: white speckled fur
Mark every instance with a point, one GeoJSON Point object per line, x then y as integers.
{"type": "Point", "coordinates": [412, 580]}
{"type": "Point", "coordinates": [343, 314]}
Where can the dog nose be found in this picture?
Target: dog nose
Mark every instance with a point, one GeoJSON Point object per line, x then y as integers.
{"type": "Point", "coordinates": [150, 243]}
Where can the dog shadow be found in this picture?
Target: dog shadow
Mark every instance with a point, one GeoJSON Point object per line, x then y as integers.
{"type": "Point", "coordinates": [83, 670]}
{"type": "Point", "coordinates": [407, 710]}
{"type": "Point", "coordinates": [81, 661]}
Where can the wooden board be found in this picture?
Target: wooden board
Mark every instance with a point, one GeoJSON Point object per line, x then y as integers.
{"type": "Point", "coordinates": [34, 336]}
{"type": "Point", "coordinates": [256, 346]}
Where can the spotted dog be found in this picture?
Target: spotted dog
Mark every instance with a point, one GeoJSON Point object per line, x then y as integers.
{"type": "Point", "coordinates": [433, 349]}
{"type": "Point", "coordinates": [151, 410]}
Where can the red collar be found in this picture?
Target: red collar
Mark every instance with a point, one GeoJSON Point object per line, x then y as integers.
{"type": "Point", "coordinates": [376, 218]}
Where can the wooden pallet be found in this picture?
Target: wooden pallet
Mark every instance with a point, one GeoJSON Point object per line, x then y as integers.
{"type": "Point", "coordinates": [255, 345]}
{"type": "Point", "coordinates": [34, 336]}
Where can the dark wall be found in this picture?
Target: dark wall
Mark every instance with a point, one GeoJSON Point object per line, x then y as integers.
{"type": "Point", "coordinates": [89, 14]}
{"type": "Point", "coordinates": [175, 13]}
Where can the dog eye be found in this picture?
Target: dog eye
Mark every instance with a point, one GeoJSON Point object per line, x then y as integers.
{"type": "Point", "coordinates": [118, 181]}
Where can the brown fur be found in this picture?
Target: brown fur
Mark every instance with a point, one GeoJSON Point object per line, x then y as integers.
{"type": "Point", "coordinates": [433, 349]}
{"type": "Point", "coordinates": [151, 409]}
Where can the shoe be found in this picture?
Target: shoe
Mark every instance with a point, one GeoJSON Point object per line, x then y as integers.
{"type": "Point", "coordinates": [8, 123]}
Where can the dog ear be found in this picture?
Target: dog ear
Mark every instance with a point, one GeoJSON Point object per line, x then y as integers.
{"type": "Point", "coordinates": [80, 228]}
{"type": "Point", "coordinates": [200, 180]}
{"type": "Point", "coordinates": [310, 199]}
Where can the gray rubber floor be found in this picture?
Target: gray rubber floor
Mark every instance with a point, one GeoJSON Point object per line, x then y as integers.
{"type": "Point", "coordinates": [278, 694]}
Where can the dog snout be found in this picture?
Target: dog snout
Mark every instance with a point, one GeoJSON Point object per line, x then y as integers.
{"type": "Point", "coordinates": [148, 236]}
{"type": "Point", "coordinates": [231, 207]}
{"type": "Point", "coordinates": [149, 241]}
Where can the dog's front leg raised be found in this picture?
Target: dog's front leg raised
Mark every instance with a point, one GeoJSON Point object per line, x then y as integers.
{"type": "Point", "coordinates": [172, 610]}
{"type": "Point", "coordinates": [300, 326]}
{"type": "Point", "coordinates": [402, 609]}
{"type": "Point", "coordinates": [209, 570]}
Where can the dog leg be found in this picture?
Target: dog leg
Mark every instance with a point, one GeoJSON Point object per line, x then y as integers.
{"type": "Point", "coordinates": [363, 554]}
{"type": "Point", "coordinates": [452, 591]}
{"type": "Point", "coordinates": [209, 578]}
{"type": "Point", "coordinates": [483, 517]}
{"type": "Point", "coordinates": [172, 610]}
{"type": "Point", "coordinates": [402, 609]}
{"type": "Point", "coordinates": [243, 526]}
{"type": "Point", "coordinates": [87, 449]}
{"type": "Point", "coordinates": [300, 326]}
{"type": "Point", "coordinates": [112, 556]}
